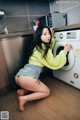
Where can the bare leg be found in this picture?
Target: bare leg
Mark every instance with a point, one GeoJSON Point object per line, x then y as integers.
{"type": "Point", "coordinates": [26, 98]}
{"type": "Point", "coordinates": [20, 91]}
{"type": "Point", "coordinates": [39, 90]}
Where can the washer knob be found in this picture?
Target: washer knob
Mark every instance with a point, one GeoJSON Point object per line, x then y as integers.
{"type": "Point", "coordinates": [61, 36]}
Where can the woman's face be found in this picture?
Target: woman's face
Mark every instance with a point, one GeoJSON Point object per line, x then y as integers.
{"type": "Point", "coordinates": [45, 37]}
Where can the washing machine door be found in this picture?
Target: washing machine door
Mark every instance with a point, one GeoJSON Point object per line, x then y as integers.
{"type": "Point", "coordinates": [70, 56]}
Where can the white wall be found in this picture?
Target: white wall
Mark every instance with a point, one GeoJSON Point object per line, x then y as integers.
{"type": "Point", "coordinates": [71, 7]}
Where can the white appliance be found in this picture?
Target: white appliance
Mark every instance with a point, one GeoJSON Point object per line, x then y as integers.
{"type": "Point", "coordinates": [56, 19]}
{"type": "Point", "coordinates": [70, 73]}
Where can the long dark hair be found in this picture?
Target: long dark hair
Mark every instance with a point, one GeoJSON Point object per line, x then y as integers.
{"type": "Point", "coordinates": [37, 42]}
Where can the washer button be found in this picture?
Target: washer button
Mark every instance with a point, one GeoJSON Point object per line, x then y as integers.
{"type": "Point", "coordinates": [61, 36]}
{"type": "Point", "coordinates": [76, 75]}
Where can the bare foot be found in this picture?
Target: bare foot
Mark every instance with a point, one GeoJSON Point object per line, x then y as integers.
{"type": "Point", "coordinates": [21, 92]}
{"type": "Point", "coordinates": [22, 101]}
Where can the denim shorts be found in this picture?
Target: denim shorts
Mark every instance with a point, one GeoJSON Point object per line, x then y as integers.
{"type": "Point", "coordinates": [30, 70]}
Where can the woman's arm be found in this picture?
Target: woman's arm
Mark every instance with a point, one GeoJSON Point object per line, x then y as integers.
{"type": "Point", "coordinates": [55, 62]}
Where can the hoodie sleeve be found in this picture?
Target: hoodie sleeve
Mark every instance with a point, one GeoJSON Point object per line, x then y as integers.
{"type": "Point", "coordinates": [53, 62]}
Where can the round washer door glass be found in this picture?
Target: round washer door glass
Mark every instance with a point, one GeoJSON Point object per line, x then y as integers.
{"type": "Point", "coordinates": [70, 56]}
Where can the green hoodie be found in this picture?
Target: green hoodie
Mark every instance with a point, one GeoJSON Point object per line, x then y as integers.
{"type": "Point", "coordinates": [49, 61]}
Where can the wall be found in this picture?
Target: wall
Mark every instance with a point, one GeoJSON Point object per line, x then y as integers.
{"type": "Point", "coordinates": [71, 7]}
{"type": "Point", "coordinates": [20, 13]}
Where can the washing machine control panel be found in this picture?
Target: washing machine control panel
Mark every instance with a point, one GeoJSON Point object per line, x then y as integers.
{"type": "Point", "coordinates": [61, 36]}
{"type": "Point", "coordinates": [72, 35]}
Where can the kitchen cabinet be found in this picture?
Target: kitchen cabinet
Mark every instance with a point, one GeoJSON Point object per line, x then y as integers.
{"type": "Point", "coordinates": [15, 51]}
{"type": "Point", "coordinates": [4, 81]}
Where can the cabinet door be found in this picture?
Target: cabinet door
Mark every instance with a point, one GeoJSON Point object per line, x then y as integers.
{"type": "Point", "coordinates": [15, 53]}
{"type": "Point", "coordinates": [12, 49]}
{"type": "Point", "coordinates": [3, 70]}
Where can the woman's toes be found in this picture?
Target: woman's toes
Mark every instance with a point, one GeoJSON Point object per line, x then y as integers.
{"type": "Point", "coordinates": [21, 103]}
{"type": "Point", "coordinates": [22, 109]}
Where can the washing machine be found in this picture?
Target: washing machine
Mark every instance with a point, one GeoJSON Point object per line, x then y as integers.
{"type": "Point", "coordinates": [70, 73]}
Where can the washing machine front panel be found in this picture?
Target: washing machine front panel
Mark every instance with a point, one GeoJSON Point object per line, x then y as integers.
{"type": "Point", "coordinates": [70, 56]}
{"type": "Point", "coordinates": [71, 77]}
{"type": "Point", "coordinates": [71, 72]}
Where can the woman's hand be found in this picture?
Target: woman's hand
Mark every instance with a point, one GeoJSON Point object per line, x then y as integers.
{"type": "Point", "coordinates": [52, 30]}
{"type": "Point", "coordinates": [67, 47]}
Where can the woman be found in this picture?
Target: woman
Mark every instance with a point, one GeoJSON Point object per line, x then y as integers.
{"type": "Point", "coordinates": [40, 55]}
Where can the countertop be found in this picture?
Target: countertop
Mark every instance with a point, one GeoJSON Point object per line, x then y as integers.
{"type": "Point", "coordinates": [30, 32]}
{"type": "Point", "coordinates": [68, 27]}
{"type": "Point", "coordinates": [27, 32]}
